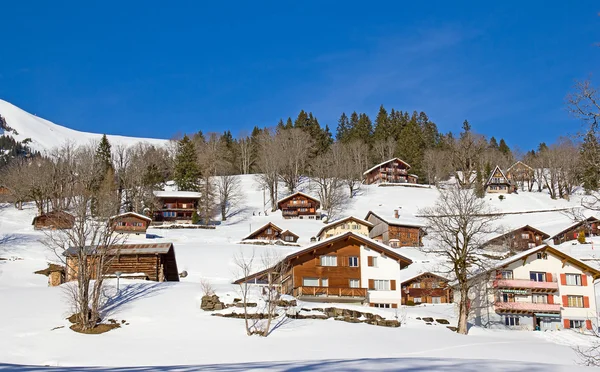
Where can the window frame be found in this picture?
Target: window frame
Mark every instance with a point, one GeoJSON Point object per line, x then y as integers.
{"type": "Point", "coordinates": [304, 279]}
{"type": "Point", "coordinates": [357, 281]}
{"type": "Point", "coordinates": [323, 261]}
{"type": "Point", "coordinates": [353, 261]}
{"type": "Point", "coordinates": [574, 301]}
{"type": "Point", "coordinates": [382, 285]}
{"type": "Point", "coordinates": [577, 280]}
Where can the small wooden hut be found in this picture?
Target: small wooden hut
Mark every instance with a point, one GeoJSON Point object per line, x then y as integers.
{"type": "Point", "coordinates": [55, 220]}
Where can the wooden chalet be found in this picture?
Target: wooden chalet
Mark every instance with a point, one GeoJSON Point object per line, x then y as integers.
{"type": "Point", "coordinates": [154, 262]}
{"type": "Point", "coordinates": [498, 183]}
{"type": "Point", "coordinates": [130, 222]}
{"type": "Point", "coordinates": [176, 206]}
{"type": "Point", "coordinates": [289, 237]}
{"type": "Point", "coordinates": [350, 223]}
{"type": "Point", "coordinates": [397, 231]}
{"type": "Point", "coordinates": [517, 240]}
{"type": "Point", "coordinates": [299, 205]}
{"type": "Point", "coordinates": [426, 288]}
{"type": "Point", "coordinates": [521, 176]}
{"type": "Point", "coordinates": [390, 171]}
{"type": "Point", "coordinates": [5, 194]}
{"type": "Point", "coordinates": [344, 268]}
{"type": "Point", "coordinates": [55, 220]}
{"type": "Point", "coordinates": [589, 226]}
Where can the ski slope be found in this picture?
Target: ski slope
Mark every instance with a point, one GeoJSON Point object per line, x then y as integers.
{"type": "Point", "coordinates": [168, 331]}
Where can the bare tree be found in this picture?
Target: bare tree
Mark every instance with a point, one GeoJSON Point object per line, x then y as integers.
{"type": "Point", "coordinates": [436, 164]}
{"type": "Point", "coordinates": [458, 224]}
{"type": "Point", "coordinates": [297, 145]}
{"type": "Point", "coordinates": [246, 150]}
{"type": "Point", "coordinates": [270, 156]}
{"type": "Point", "coordinates": [590, 355]}
{"type": "Point", "coordinates": [230, 193]}
{"type": "Point", "coordinates": [355, 159]}
{"type": "Point", "coordinates": [325, 174]}
{"type": "Point", "coordinates": [245, 267]}
{"type": "Point", "coordinates": [583, 102]}
{"type": "Point", "coordinates": [464, 154]}
{"type": "Point", "coordinates": [384, 149]}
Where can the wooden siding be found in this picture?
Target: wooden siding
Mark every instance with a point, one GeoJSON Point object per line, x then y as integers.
{"type": "Point", "coordinates": [288, 236]}
{"type": "Point", "coordinates": [407, 236]}
{"type": "Point", "coordinates": [515, 240]}
{"type": "Point", "coordinates": [297, 206]}
{"type": "Point", "coordinates": [175, 209]}
{"type": "Point", "coordinates": [573, 232]}
{"type": "Point", "coordinates": [392, 172]}
{"type": "Point", "coordinates": [426, 290]}
{"type": "Point", "coordinates": [268, 232]}
{"type": "Point", "coordinates": [130, 224]}
{"type": "Point", "coordinates": [54, 220]}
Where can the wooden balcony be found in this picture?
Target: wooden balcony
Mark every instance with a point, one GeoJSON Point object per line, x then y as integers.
{"type": "Point", "coordinates": [525, 284]}
{"type": "Point", "coordinates": [526, 307]}
{"type": "Point", "coordinates": [331, 294]}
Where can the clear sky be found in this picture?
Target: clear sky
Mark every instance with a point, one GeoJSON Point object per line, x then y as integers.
{"type": "Point", "coordinates": [156, 68]}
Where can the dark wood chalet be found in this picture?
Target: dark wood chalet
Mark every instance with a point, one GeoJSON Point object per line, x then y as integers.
{"type": "Point", "coordinates": [498, 183]}
{"type": "Point", "coordinates": [390, 171]}
{"type": "Point", "coordinates": [517, 240]}
{"type": "Point", "coordinates": [176, 206]}
{"type": "Point", "coordinates": [521, 176]}
{"type": "Point", "coordinates": [332, 271]}
{"type": "Point", "coordinates": [55, 220]}
{"type": "Point", "coordinates": [140, 261]}
{"type": "Point", "coordinates": [426, 288]}
{"type": "Point", "coordinates": [130, 222]}
{"type": "Point", "coordinates": [396, 231]}
{"type": "Point", "coordinates": [299, 205]}
{"type": "Point", "coordinates": [589, 226]}
{"type": "Point", "coordinates": [289, 237]}
{"type": "Point", "coordinates": [271, 233]}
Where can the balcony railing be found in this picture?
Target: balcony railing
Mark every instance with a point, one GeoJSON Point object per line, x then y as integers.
{"type": "Point", "coordinates": [524, 284]}
{"type": "Point", "coordinates": [526, 306]}
{"type": "Point", "coordinates": [330, 292]}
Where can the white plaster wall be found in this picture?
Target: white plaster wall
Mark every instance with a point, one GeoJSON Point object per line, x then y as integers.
{"type": "Point", "coordinates": [387, 269]}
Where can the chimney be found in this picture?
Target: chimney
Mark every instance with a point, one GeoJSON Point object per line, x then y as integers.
{"type": "Point", "coordinates": [396, 213]}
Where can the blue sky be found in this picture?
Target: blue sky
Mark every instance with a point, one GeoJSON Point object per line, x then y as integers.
{"type": "Point", "coordinates": [159, 68]}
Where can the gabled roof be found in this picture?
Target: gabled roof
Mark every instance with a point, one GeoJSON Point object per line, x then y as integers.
{"type": "Point", "coordinates": [121, 249]}
{"type": "Point", "coordinates": [133, 214]}
{"type": "Point", "coordinates": [518, 162]}
{"type": "Point", "coordinates": [411, 278]}
{"type": "Point", "coordinates": [401, 221]}
{"type": "Point", "coordinates": [384, 163]}
{"type": "Point", "coordinates": [262, 228]}
{"type": "Point", "coordinates": [289, 232]}
{"type": "Point", "coordinates": [494, 172]}
{"type": "Point", "coordinates": [544, 235]}
{"type": "Point", "coordinates": [338, 222]}
{"type": "Point", "coordinates": [370, 243]}
{"type": "Point", "coordinates": [178, 194]}
{"type": "Point", "coordinates": [56, 215]}
{"type": "Point", "coordinates": [296, 194]}
{"type": "Point", "coordinates": [589, 219]}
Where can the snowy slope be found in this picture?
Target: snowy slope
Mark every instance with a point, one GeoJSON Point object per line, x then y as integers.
{"type": "Point", "coordinates": [46, 135]}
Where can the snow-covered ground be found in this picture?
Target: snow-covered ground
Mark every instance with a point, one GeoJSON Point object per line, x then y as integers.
{"type": "Point", "coordinates": [168, 331]}
{"type": "Point", "coordinates": [46, 135]}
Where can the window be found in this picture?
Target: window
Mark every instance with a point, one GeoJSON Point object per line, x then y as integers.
{"type": "Point", "coordinates": [540, 299]}
{"type": "Point", "coordinates": [324, 282]}
{"type": "Point", "coordinates": [511, 320]}
{"type": "Point", "coordinates": [409, 235]}
{"type": "Point", "coordinates": [575, 301]}
{"type": "Point", "coordinates": [576, 323]}
{"type": "Point", "coordinates": [573, 279]}
{"type": "Point", "coordinates": [532, 245]}
{"type": "Point", "coordinates": [382, 285]}
{"type": "Point", "coordinates": [537, 277]}
{"type": "Point", "coordinates": [372, 261]}
{"type": "Point", "coordinates": [269, 231]}
{"type": "Point", "coordinates": [508, 297]}
{"type": "Point", "coordinates": [435, 285]}
{"type": "Point", "coordinates": [328, 260]}
{"type": "Point", "coordinates": [416, 285]}
{"type": "Point", "coordinates": [417, 300]}
{"type": "Point", "coordinates": [355, 227]}
{"type": "Point", "coordinates": [524, 236]}
{"type": "Point", "coordinates": [383, 306]}
{"type": "Point", "coordinates": [310, 282]}
{"type": "Point", "coordinates": [436, 300]}
{"type": "Point", "coordinates": [394, 243]}
{"type": "Point", "coordinates": [289, 238]}
{"type": "Point", "coordinates": [353, 261]}
{"type": "Point", "coordinates": [354, 283]}
{"type": "Point", "coordinates": [507, 274]}
{"type": "Point", "coordinates": [540, 255]}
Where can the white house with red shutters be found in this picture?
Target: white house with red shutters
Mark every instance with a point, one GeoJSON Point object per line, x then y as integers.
{"type": "Point", "coordinates": [538, 289]}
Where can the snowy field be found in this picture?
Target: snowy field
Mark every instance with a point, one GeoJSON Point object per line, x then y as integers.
{"type": "Point", "coordinates": [167, 330]}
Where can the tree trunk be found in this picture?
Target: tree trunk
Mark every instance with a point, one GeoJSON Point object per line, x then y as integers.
{"type": "Point", "coordinates": [463, 310]}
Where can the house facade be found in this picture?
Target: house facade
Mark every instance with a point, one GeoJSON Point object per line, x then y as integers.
{"type": "Point", "coordinates": [517, 240]}
{"type": "Point", "coordinates": [175, 206]}
{"type": "Point", "coordinates": [396, 231]}
{"type": "Point", "coordinates": [589, 227]}
{"type": "Point", "coordinates": [347, 268]}
{"type": "Point", "coordinates": [521, 176]}
{"type": "Point", "coordinates": [390, 171]}
{"type": "Point", "coordinates": [55, 220]}
{"type": "Point", "coordinates": [498, 183]}
{"type": "Point", "coordinates": [426, 288]}
{"type": "Point", "coordinates": [130, 223]}
{"type": "Point", "coordinates": [539, 289]}
{"type": "Point", "coordinates": [299, 205]}
{"type": "Point", "coordinates": [344, 225]}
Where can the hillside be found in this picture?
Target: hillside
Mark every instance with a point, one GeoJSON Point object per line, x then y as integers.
{"type": "Point", "coordinates": [166, 319]}
{"type": "Point", "coordinates": [45, 134]}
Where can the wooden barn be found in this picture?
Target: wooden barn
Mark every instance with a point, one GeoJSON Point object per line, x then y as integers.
{"type": "Point", "coordinates": [390, 171]}
{"type": "Point", "coordinates": [589, 226]}
{"type": "Point", "coordinates": [517, 240]}
{"type": "Point", "coordinates": [498, 183]}
{"type": "Point", "coordinates": [397, 231]}
{"type": "Point", "coordinates": [55, 220]}
{"type": "Point", "coordinates": [299, 205]}
{"type": "Point", "coordinates": [154, 262]}
{"type": "Point", "coordinates": [130, 222]}
{"type": "Point", "coordinates": [426, 288]}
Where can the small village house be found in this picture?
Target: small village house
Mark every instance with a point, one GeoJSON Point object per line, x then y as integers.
{"type": "Point", "coordinates": [396, 231]}
{"type": "Point", "coordinates": [390, 171]}
{"type": "Point", "coordinates": [589, 227]}
{"type": "Point", "coordinates": [521, 176]}
{"type": "Point", "coordinates": [350, 223]}
{"type": "Point", "coordinates": [176, 206]}
{"type": "Point", "coordinates": [498, 183]}
{"type": "Point", "coordinates": [426, 288]}
{"type": "Point", "coordinates": [520, 239]}
{"type": "Point", "coordinates": [538, 289]}
{"type": "Point", "coordinates": [271, 233]}
{"type": "Point", "coordinates": [130, 222]}
{"type": "Point", "coordinates": [347, 268]}
{"type": "Point", "coordinates": [154, 262]}
{"type": "Point", "coordinates": [55, 220]}
{"type": "Point", "coordinates": [299, 205]}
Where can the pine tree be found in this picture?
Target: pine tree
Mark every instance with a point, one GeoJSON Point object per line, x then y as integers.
{"type": "Point", "coordinates": [410, 146]}
{"type": "Point", "coordinates": [590, 160]}
{"type": "Point", "coordinates": [493, 143]}
{"type": "Point", "coordinates": [503, 147]}
{"type": "Point", "coordinates": [431, 136]}
{"type": "Point", "coordinates": [187, 171]}
{"type": "Point", "coordinates": [363, 129]}
{"type": "Point", "coordinates": [479, 183]}
{"type": "Point", "coordinates": [382, 129]}
{"type": "Point", "coordinates": [343, 128]}
{"type": "Point", "coordinates": [103, 155]}
{"type": "Point", "coordinates": [466, 128]}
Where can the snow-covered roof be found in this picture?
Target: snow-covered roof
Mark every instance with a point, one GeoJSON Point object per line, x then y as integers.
{"type": "Point", "coordinates": [178, 194]}
{"type": "Point", "coordinates": [298, 193]}
{"type": "Point", "coordinates": [494, 172]}
{"type": "Point", "coordinates": [337, 222]}
{"type": "Point", "coordinates": [400, 221]}
{"type": "Point", "coordinates": [512, 231]}
{"type": "Point", "coordinates": [155, 248]}
{"type": "Point", "coordinates": [384, 163]}
{"type": "Point", "coordinates": [132, 214]}
{"type": "Point", "coordinates": [515, 164]}
{"type": "Point", "coordinates": [261, 229]}
{"type": "Point", "coordinates": [570, 227]}
{"type": "Point", "coordinates": [289, 232]}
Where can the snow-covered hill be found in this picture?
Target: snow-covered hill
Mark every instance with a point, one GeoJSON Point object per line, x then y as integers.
{"type": "Point", "coordinates": [45, 134]}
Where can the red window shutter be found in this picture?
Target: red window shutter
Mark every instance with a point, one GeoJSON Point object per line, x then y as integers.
{"type": "Point", "coordinates": [550, 299]}
{"type": "Point", "coordinates": [566, 323]}
{"type": "Point", "coordinates": [563, 279]}
{"type": "Point", "coordinates": [565, 301]}
{"type": "Point", "coordinates": [371, 283]}
{"type": "Point", "coordinates": [548, 277]}
{"type": "Point", "coordinates": [588, 324]}
{"type": "Point", "coordinates": [586, 301]}
{"type": "Point", "coordinates": [395, 306]}
{"type": "Point", "coordinates": [370, 261]}
{"type": "Point", "coordinates": [583, 280]}
{"type": "Point", "coordinates": [498, 274]}
{"type": "Point", "coordinates": [372, 305]}
{"type": "Point", "coordinates": [393, 285]}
